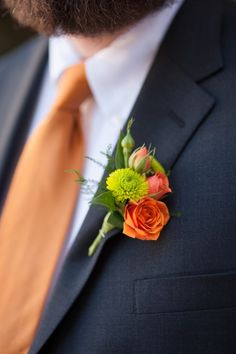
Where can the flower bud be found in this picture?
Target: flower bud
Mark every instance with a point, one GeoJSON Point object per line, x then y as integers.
{"type": "Point", "coordinates": [140, 160]}
{"type": "Point", "coordinates": [158, 185]}
{"type": "Point", "coordinates": [128, 142]}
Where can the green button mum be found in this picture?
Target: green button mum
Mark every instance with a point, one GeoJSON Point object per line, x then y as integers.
{"type": "Point", "coordinates": [126, 183]}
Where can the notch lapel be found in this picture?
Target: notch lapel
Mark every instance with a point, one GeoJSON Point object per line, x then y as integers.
{"type": "Point", "coordinates": [21, 73]}
{"type": "Point", "coordinates": [168, 111]}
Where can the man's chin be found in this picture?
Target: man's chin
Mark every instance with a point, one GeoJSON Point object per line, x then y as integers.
{"type": "Point", "coordinates": [82, 17]}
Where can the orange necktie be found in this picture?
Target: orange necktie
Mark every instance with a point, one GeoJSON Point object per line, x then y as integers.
{"type": "Point", "coordinates": [37, 214]}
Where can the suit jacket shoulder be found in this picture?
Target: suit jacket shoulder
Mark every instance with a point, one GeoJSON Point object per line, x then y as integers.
{"type": "Point", "coordinates": [13, 64]}
{"type": "Point", "coordinates": [20, 77]}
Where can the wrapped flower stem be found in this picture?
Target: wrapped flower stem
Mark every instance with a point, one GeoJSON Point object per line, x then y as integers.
{"type": "Point", "coordinates": [106, 227]}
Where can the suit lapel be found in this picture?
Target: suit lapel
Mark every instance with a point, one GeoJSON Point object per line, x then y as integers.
{"type": "Point", "coordinates": [21, 74]}
{"type": "Point", "coordinates": [168, 111]}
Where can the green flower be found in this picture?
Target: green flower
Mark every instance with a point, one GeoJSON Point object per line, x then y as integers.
{"type": "Point", "coordinates": [126, 183]}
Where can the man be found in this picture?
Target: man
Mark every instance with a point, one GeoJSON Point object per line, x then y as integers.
{"type": "Point", "coordinates": [171, 66]}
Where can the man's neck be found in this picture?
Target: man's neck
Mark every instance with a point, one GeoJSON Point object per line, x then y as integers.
{"type": "Point", "coordinates": [88, 46]}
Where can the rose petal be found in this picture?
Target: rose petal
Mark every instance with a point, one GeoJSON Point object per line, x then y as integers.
{"type": "Point", "coordinates": [145, 219]}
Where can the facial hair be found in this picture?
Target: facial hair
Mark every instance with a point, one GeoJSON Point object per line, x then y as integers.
{"type": "Point", "coordinates": [81, 17]}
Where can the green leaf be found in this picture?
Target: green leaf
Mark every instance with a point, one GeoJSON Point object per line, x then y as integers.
{"type": "Point", "coordinates": [119, 156]}
{"type": "Point", "coordinates": [156, 166]}
{"type": "Point", "coordinates": [73, 171]}
{"type": "Point", "coordinates": [116, 219]}
{"type": "Point", "coordinates": [102, 184]}
{"type": "Point", "coordinates": [105, 199]}
{"type": "Point", "coordinates": [80, 179]}
{"type": "Point", "coordinates": [110, 166]}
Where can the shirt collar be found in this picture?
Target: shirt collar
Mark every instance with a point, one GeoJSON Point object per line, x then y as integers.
{"type": "Point", "coordinates": [117, 72]}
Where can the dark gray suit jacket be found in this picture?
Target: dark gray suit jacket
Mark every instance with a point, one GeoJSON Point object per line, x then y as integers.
{"type": "Point", "coordinates": [176, 295]}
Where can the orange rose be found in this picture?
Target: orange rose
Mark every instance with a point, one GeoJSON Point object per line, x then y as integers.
{"type": "Point", "coordinates": [140, 160]}
{"type": "Point", "coordinates": [158, 185]}
{"type": "Point", "coordinates": [145, 219]}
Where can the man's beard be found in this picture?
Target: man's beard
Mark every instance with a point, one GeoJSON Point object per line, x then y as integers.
{"type": "Point", "coordinates": [81, 17]}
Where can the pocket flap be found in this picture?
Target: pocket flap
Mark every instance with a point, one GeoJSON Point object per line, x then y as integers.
{"type": "Point", "coordinates": [185, 293]}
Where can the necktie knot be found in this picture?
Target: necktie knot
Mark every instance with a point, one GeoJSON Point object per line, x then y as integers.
{"type": "Point", "coordinates": [73, 88]}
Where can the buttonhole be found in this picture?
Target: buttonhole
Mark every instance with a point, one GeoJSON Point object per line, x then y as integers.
{"type": "Point", "coordinates": [180, 122]}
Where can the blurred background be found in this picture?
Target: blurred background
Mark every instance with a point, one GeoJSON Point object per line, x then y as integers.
{"type": "Point", "coordinates": [11, 34]}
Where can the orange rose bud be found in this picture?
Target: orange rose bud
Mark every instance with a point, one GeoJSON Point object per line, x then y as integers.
{"type": "Point", "coordinates": [140, 160]}
{"type": "Point", "coordinates": [158, 185]}
{"type": "Point", "coordinates": [145, 219]}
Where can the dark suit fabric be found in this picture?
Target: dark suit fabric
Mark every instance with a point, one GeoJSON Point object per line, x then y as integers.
{"type": "Point", "coordinates": [176, 295]}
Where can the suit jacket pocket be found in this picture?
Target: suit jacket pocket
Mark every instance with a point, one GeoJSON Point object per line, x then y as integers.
{"type": "Point", "coordinates": [185, 293]}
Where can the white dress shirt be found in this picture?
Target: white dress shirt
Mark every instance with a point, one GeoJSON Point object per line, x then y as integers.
{"type": "Point", "coordinates": [116, 75]}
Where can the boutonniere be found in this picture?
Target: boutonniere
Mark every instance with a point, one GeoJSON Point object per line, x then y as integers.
{"type": "Point", "coordinates": [132, 193]}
